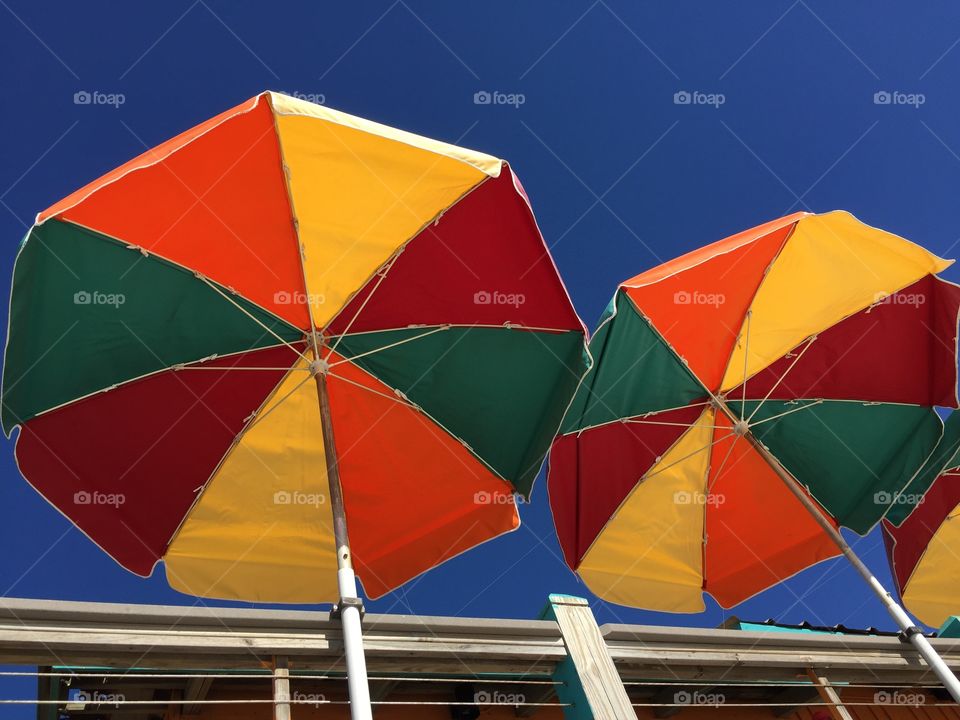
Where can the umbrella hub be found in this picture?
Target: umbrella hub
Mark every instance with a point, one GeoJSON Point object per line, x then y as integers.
{"type": "Point", "coordinates": [741, 427]}
{"type": "Point", "coordinates": [319, 367]}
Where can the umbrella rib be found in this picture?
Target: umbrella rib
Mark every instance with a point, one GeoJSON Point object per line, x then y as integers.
{"type": "Point", "coordinates": [252, 316]}
{"type": "Point", "coordinates": [258, 419]}
{"type": "Point", "coordinates": [387, 347]}
{"type": "Point", "coordinates": [788, 412]}
{"type": "Point", "coordinates": [238, 367]}
{"type": "Point", "coordinates": [395, 398]}
{"type": "Point", "coordinates": [709, 445]}
{"type": "Point", "coordinates": [582, 430]}
{"type": "Point", "coordinates": [786, 372]}
{"type": "Point", "coordinates": [671, 424]}
{"type": "Point", "coordinates": [746, 360]}
{"type": "Point", "coordinates": [382, 276]}
{"type": "Point", "coordinates": [716, 475]}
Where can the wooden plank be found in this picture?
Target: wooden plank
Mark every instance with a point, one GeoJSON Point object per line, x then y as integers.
{"type": "Point", "coordinates": [589, 665]}
{"type": "Point", "coordinates": [281, 689]}
{"type": "Point", "coordinates": [829, 695]}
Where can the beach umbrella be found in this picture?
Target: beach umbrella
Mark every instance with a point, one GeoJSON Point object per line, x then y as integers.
{"type": "Point", "coordinates": [922, 538]}
{"type": "Point", "coordinates": [747, 400]}
{"type": "Point", "coordinates": [281, 321]}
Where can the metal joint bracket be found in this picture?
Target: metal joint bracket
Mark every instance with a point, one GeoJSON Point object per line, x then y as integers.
{"type": "Point", "coordinates": [907, 633]}
{"type": "Point", "coordinates": [338, 608]}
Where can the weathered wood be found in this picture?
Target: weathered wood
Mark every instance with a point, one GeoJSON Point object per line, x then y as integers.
{"type": "Point", "coordinates": [588, 664]}
{"type": "Point", "coordinates": [107, 635]}
{"type": "Point", "coordinates": [829, 696]}
{"type": "Point", "coordinates": [281, 689]}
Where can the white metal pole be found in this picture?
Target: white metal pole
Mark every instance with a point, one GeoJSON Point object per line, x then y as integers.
{"type": "Point", "coordinates": [349, 605]}
{"type": "Point", "coordinates": [913, 633]}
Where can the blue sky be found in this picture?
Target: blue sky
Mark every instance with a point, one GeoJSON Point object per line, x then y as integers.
{"type": "Point", "coordinates": [621, 176]}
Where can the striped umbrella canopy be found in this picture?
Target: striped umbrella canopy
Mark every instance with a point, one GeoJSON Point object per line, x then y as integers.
{"type": "Point", "coordinates": [798, 361]}
{"type": "Point", "coordinates": [922, 534]}
{"type": "Point", "coordinates": [171, 322]}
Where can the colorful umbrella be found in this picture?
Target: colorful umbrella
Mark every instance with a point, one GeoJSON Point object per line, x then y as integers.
{"type": "Point", "coordinates": [747, 400]}
{"type": "Point", "coordinates": [173, 323]}
{"type": "Point", "coordinates": [922, 534]}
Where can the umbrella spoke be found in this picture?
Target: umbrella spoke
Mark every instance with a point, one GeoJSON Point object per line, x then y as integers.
{"type": "Point", "coordinates": [239, 367]}
{"type": "Point", "coordinates": [706, 447]}
{"type": "Point", "coordinates": [716, 476]}
{"type": "Point", "coordinates": [788, 412]}
{"type": "Point", "coordinates": [388, 346]}
{"type": "Point", "coordinates": [786, 372]}
{"type": "Point", "coordinates": [398, 398]}
{"type": "Point", "coordinates": [252, 316]}
{"type": "Point", "coordinates": [746, 361]}
{"type": "Point", "coordinates": [632, 421]}
{"type": "Point", "coordinates": [257, 419]}
{"type": "Point", "coordinates": [382, 273]}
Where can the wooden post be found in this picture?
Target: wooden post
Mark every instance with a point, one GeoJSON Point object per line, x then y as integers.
{"type": "Point", "coordinates": [281, 689]}
{"type": "Point", "coordinates": [590, 681]}
{"type": "Point", "coordinates": [829, 695]}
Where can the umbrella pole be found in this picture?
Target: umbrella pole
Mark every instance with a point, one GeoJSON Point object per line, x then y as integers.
{"type": "Point", "coordinates": [350, 606]}
{"type": "Point", "coordinates": [908, 629]}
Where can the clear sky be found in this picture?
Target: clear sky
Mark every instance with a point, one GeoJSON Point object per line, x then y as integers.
{"type": "Point", "coordinates": [621, 176]}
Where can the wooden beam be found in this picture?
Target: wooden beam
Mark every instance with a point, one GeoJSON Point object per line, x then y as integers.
{"type": "Point", "coordinates": [106, 635]}
{"type": "Point", "coordinates": [281, 689]}
{"type": "Point", "coordinates": [593, 686]}
{"type": "Point", "coordinates": [829, 696]}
